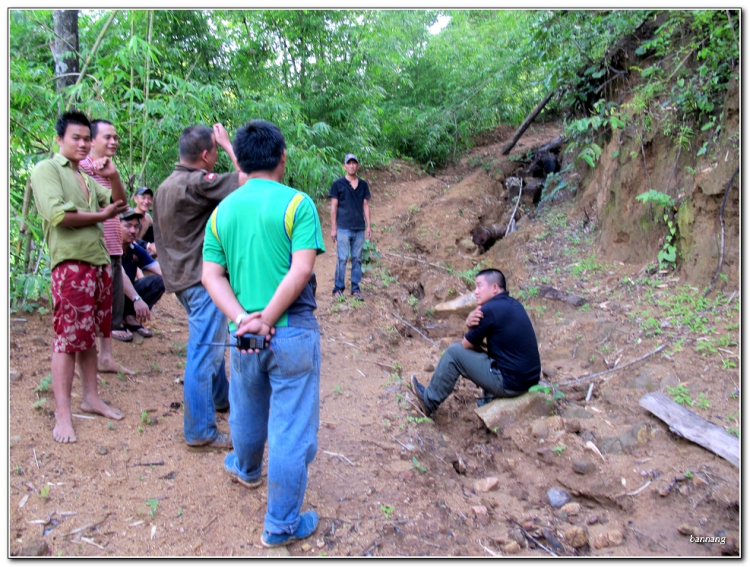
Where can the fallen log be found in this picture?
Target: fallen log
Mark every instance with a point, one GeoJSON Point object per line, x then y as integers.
{"type": "Point", "coordinates": [486, 236]}
{"type": "Point", "coordinates": [526, 124]}
{"type": "Point", "coordinates": [689, 425]}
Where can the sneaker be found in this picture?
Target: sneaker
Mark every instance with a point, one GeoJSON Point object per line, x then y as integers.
{"type": "Point", "coordinates": [222, 441]}
{"type": "Point", "coordinates": [357, 295]}
{"type": "Point", "coordinates": [230, 467]}
{"type": "Point", "coordinates": [338, 293]}
{"type": "Point", "coordinates": [308, 523]}
{"type": "Point", "coordinates": [419, 390]}
{"type": "Point", "coordinates": [485, 399]}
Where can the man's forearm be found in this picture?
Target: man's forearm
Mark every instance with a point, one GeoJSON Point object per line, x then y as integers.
{"type": "Point", "coordinates": [127, 286]}
{"type": "Point", "coordinates": [289, 289]}
{"type": "Point", "coordinates": [78, 219]}
{"type": "Point", "coordinates": [366, 211]}
{"type": "Point", "coordinates": [118, 190]}
{"type": "Point", "coordinates": [222, 294]}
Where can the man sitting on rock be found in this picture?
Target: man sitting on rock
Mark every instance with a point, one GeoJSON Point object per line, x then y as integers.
{"type": "Point", "coordinates": [140, 294]}
{"type": "Point", "coordinates": [511, 364]}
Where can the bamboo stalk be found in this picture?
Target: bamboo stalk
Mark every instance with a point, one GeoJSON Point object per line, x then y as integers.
{"type": "Point", "coordinates": [91, 55]}
{"type": "Point", "coordinates": [130, 108]}
{"type": "Point", "coordinates": [145, 91]}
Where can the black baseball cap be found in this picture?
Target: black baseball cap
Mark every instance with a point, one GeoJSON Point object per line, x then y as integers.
{"type": "Point", "coordinates": [144, 189]}
{"type": "Point", "coordinates": [350, 157]}
{"type": "Point", "coordinates": [131, 213]}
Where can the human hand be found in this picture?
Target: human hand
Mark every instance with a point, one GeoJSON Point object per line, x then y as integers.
{"type": "Point", "coordinates": [368, 233]}
{"type": "Point", "coordinates": [221, 135]}
{"type": "Point", "coordinates": [333, 235]}
{"type": "Point", "coordinates": [474, 317]}
{"type": "Point", "coordinates": [104, 167]}
{"type": "Point", "coordinates": [142, 313]}
{"type": "Point", "coordinates": [114, 209]}
{"type": "Point", "coordinates": [151, 249]}
{"type": "Point", "coordinates": [255, 325]}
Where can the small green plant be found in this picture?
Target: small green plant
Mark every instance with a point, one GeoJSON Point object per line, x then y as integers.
{"type": "Point", "coordinates": [412, 419]}
{"type": "Point", "coordinates": [550, 390]}
{"type": "Point", "coordinates": [44, 384]}
{"type": "Point", "coordinates": [44, 492]}
{"type": "Point", "coordinates": [121, 375]}
{"type": "Point", "coordinates": [726, 364]}
{"type": "Point", "coordinates": [179, 512]}
{"type": "Point", "coordinates": [145, 418]}
{"type": "Point", "coordinates": [153, 503]}
{"type": "Point", "coordinates": [702, 401]}
{"type": "Point", "coordinates": [415, 465]}
{"type": "Point", "coordinates": [387, 510]}
{"type": "Point", "coordinates": [680, 394]}
{"type": "Point", "coordinates": [412, 301]}
{"type": "Point", "coordinates": [337, 389]}
{"type": "Point", "coordinates": [179, 349]}
{"type": "Point", "coordinates": [140, 429]}
{"type": "Point", "coordinates": [39, 403]}
{"type": "Point", "coordinates": [429, 312]}
{"type": "Point", "coordinates": [18, 470]}
{"type": "Point", "coordinates": [369, 255]}
{"type": "Point", "coordinates": [667, 256]}
{"type": "Point", "coordinates": [155, 367]}
{"type": "Point", "coordinates": [585, 307]}
{"type": "Point", "coordinates": [110, 426]}
{"type": "Point", "coordinates": [414, 209]}
{"type": "Point", "coordinates": [558, 450]}
{"type": "Point", "coordinates": [688, 474]}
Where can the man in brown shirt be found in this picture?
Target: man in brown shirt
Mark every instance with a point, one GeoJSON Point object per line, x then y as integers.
{"type": "Point", "coordinates": [182, 205]}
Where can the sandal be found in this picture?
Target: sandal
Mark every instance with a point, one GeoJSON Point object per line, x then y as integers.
{"type": "Point", "coordinates": [121, 334]}
{"type": "Point", "coordinates": [140, 329]}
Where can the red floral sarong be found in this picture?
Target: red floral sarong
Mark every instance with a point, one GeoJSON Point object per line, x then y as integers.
{"type": "Point", "coordinates": [82, 297]}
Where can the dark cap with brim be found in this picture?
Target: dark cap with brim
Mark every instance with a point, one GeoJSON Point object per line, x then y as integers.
{"type": "Point", "coordinates": [131, 213]}
{"type": "Point", "coordinates": [350, 157]}
{"type": "Point", "coordinates": [144, 189]}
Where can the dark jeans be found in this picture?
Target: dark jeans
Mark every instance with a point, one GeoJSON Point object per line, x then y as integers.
{"type": "Point", "coordinates": [118, 295]}
{"type": "Point", "coordinates": [150, 289]}
{"type": "Point", "coordinates": [475, 366]}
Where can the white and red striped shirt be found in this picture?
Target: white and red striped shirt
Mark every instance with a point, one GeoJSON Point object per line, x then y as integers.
{"type": "Point", "coordinates": [112, 231]}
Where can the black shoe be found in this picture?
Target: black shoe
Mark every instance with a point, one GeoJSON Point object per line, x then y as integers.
{"type": "Point", "coordinates": [485, 399]}
{"type": "Point", "coordinates": [419, 390]}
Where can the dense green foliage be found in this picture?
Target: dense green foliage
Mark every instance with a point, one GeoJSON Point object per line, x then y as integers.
{"type": "Point", "coordinates": [376, 82]}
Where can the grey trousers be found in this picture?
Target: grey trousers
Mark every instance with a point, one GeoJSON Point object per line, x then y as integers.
{"type": "Point", "coordinates": [475, 366]}
{"type": "Point", "coordinates": [118, 293]}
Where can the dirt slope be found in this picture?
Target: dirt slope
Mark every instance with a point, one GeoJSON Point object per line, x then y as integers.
{"type": "Point", "coordinates": [383, 482]}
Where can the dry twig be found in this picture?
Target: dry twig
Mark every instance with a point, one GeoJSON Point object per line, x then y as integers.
{"type": "Point", "coordinates": [415, 329]}
{"type": "Point", "coordinates": [590, 376]}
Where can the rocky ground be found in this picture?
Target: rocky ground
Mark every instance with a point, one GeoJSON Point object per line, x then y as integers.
{"type": "Point", "coordinates": [566, 476]}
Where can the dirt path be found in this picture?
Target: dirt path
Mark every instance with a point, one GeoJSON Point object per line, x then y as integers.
{"type": "Point", "coordinates": [383, 482]}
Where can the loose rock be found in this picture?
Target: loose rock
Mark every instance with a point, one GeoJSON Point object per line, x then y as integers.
{"type": "Point", "coordinates": [615, 537]}
{"type": "Point", "coordinates": [481, 514]}
{"type": "Point", "coordinates": [486, 484]}
{"type": "Point", "coordinates": [39, 340]}
{"type": "Point", "coordinates": [557, 497]}
{"type": "Point", "coordinates": [517, 535]}
{"type": "Point", "coordinates": [571, 508]}
{"type": "Point", "coordinates": [429, 368]}
{"type": "Point", "coordinates": [600, 541]}
{"type": "Point", "coordinates": [539, 430]}
{"type": "Point", "coordinates": [35, 548]}
{"type": "Point", "coordinates": [591, 519]}
{"type": "Point", "coordinates": [14, 375]}
{"type": "Point", "coordinates": [306, 547]}
{"type": "Point", "coordinates": [583, 466]}
{"type": "Point", "coordinates": [576, 536]}
{"type": "Point", "coordinates": [572, 425]}
{"type": "Point", "coordinates": [511, 547]}
{"type": "Point", "coordinates": [101, 450]}
{"type": "Point", "coordinates": [686, 529]}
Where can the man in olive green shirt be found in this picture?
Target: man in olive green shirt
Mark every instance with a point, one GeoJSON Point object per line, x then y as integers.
{"type": "Point", "coordinates": [69, 203]}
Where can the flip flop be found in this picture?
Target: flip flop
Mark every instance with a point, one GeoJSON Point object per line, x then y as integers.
{"type": "Point", "coordinates": [124, 335]}
{"type": "Point", "coordinates": [140, 329]}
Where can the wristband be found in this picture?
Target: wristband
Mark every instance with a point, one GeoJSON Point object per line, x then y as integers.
{"type": "Point", "coordinates": [136, 298]}
{"type": "Point", "coordinates": [240, 317]}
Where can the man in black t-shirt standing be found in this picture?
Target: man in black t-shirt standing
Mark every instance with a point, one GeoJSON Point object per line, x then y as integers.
{"type": "Point", "coordinates": [350, 224]}
{"type": "Point", "coordinates": [511, 364]}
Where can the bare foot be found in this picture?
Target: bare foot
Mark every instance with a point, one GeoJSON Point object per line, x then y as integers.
{"type": "Point", "coordinates": [113, 367]}
{"type": "Point", "coordinates": [63, 431]}
{"type": "Point", "coordinates": [98, 406]}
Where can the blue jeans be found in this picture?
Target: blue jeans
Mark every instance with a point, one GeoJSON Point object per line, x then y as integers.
{"type": "Point", "coordinates": [350, 242]}
{"type": "Point", "coordinates": [206, 386]}
{"type": "Point", "coordinates": [274, 395]}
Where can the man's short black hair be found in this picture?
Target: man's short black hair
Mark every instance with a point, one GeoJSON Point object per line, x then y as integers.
{"type": "Point", "coordinates": [194, 141]}
{"type": "Point", "coordinates": [493, 276]}
{"type": "Point", "coordinates": [258, 146]}
{"type": "Point", "coordinates": [95, 126]}
{"type": "Point", "coordinates": [73, 116]}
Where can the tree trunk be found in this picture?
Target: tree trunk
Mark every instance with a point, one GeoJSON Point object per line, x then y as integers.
{"type": "Point", "coordinates": [526, 124]}
{"type": "Point", "coordinates": [65, 47]}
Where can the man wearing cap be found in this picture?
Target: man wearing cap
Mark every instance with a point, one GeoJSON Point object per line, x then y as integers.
{"type": "Point", "coordinates": [182, 205]}
{"type": "Point", "coordinates": [143, 293]}
{"type": "Point", "coordinates": [143, 199]}
{"type": "Point", "coordinates": [350, 224]}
